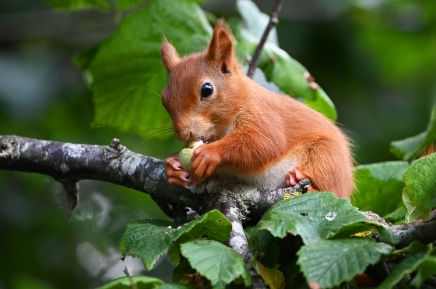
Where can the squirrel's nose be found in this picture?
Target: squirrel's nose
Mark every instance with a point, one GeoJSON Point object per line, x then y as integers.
{"type": "Point", "coordinates": [182, 134]}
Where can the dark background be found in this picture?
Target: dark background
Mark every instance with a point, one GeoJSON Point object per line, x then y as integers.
{"type": "Point", "coordinates": [375, 59]}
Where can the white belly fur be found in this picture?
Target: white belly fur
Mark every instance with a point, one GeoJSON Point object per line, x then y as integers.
{"type": "Point", "coordinates": [272, 178]}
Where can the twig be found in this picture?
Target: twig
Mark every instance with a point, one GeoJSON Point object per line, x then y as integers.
{"type": "Point", "coordinates": [273, 20]}
{"type": "Point", "coordinates": [132, 282]}
{"type": "Point", "coordinates": [71, 187]}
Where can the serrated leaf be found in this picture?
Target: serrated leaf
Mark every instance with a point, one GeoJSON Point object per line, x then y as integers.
{"type": "Point", "coordinates": [379, 186]}
{"type": "Point", "coordinates": [218, 263]}
{"type": "Point", "coordinates": [271, 276]}
{"type": "Point", "coordinates": [331, 262]}
{"type": "Point", "coordinates": [410, 148]}
{"type": "Point", "coordinates": [139, 282]}
{"type": "Point", "coordinates": [403, 268]}
{"type": "Point", "coordinates": [79, 4]}
{"type": "Point", "coordinates": [313, 216]}
{"type": "Point", "coordinates": [420, 180]}
{"type": "Point", "coordinates": [149, 239]}
{"type": "Point", "coordinates": [126, 72]}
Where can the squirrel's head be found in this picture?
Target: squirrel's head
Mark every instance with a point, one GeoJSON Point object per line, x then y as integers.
{"type": "Point", "coordinates": [202, 92]}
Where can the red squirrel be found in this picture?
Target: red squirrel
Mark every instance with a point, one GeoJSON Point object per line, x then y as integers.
{"type": "Point", "coordinates": [253, 135]}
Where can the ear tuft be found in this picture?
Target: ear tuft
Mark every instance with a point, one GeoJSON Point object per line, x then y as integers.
{"type": "Point", "coordinates": [169, 55]}
{"type": "Point", "coordinates": [221, 47]}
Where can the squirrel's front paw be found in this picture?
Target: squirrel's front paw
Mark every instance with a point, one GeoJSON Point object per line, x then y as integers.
{"type": "Point", "coordinates": [204, 162]}
{"type": "Point", "coordinates": [174, 172]}
{"type": "Point", "coordinates": [294, 176]}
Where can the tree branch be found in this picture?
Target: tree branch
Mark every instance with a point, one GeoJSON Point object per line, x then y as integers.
{"type": "Point", "coordinates": [273, 20]}
{"type": "Point", "coordinates": [69, 163]}
{"type": "Point", "coordinates": [238, 241]}
{"type": "Point", "coordinates": [422, 231]}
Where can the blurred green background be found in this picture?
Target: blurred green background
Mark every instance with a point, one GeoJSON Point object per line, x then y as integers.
{"type": "Point", "coordinates": [375, 59]}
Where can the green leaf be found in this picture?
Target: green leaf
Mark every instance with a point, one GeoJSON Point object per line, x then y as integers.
{"type": "Point", "coordinates": [379, 186]}
{"type": "Point", "coordinates": [424, 262]}
{"type": "Point", "coordinates": [218, 263]}
{"type": "Point", "coordinates": [427, 268]}
{"type": "Point", "coordinates": [140, 282]}
{"type": "Point", "coordinates": [331, 262]}
{"type": "Point", "coordinates": [411, 212]}
{"type": "Point", "coordinates": [294, 278]}
{"type": "Point", "coordinates": [288, 75]}
{"type": "Point", "coordinates": [414, 247]}
{"type": "Point", "coordinates": [79, 4]}
{"type": "Point", "coordinates": [266, 248]}
{"type": "Point", "coordinates": [182, 271]}
{"type": "Point", "coordinates": [278, 67]}
{"type": "Point", "coordinates": [174, 286]}
{"type": "Point", "coordinates": [125, 70]}
{"type": "Point", "coordinates": [420, 180]}
{"type": "Point", "coordinates": [396, 216]}
{"type": "Point", "coordinates": [127, 4]}
{"type": "Point", "coordinates": [410, 148]}
{"type": "Point", "coordinates": [254, 23]}
{"type": "Point", "coordinates": [403, 268]}
{"type": "Point", "coordinates": [149, 239]}
{"type": "Point", "coordinates": [85, 57]}
{"type": "Point", "coordinates": [122, 5]}
{"type": "Point", "coordinates": [313, 216]}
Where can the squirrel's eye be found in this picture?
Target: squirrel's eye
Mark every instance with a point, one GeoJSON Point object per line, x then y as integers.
{"type": "Point", "coordinates": [206, 90]}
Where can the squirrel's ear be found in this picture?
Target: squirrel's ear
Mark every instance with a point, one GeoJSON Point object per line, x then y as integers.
{"type": "Point", "coordinates": [221, 47]}
{"type": "Point", "coordinates": [169, 55]}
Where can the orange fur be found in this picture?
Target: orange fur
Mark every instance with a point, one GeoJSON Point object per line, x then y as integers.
{"type": "Point", "coordinates": [253, 134]}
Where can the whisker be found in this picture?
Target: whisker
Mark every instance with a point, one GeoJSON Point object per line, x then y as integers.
{"type": "Point", "coordinates": [153, 92]}
{"type": "Point", "coordinates": [148, 133]}
{"type": "Point", "coordinates": [161, 132]}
